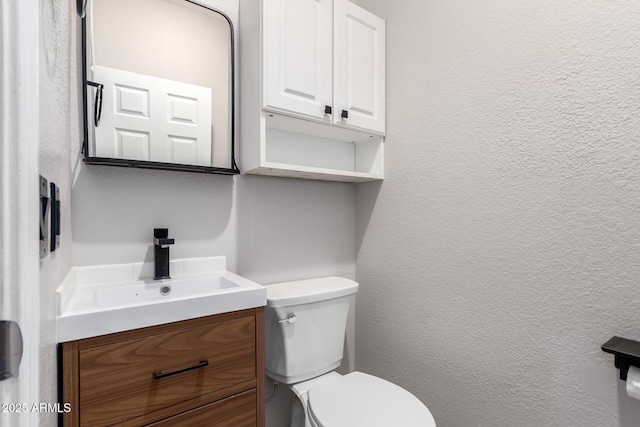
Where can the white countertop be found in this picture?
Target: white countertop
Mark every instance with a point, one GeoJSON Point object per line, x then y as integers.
{"type": "Point", "coordinates": [99, 300]}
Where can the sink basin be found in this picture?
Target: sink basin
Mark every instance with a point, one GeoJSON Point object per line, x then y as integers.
{"type": "Point", "coordinates": [87, 308]}
{"type": "Point", "coordinates": [157, 291]}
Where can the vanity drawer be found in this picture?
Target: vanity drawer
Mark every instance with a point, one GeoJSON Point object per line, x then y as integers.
{"type": "Point", "coordinates": [117, 380]}
{"type": "Point", "coordinates": [235, 411]}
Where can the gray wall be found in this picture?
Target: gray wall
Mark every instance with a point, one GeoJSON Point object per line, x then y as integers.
{"type": "Point", "coordinates": [502, 249]}
{"type": "Point", "coordinates": [500, 252]}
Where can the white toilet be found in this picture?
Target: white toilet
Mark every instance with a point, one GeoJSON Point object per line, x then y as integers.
{"type": "Point", "coordinates": [305, 325]}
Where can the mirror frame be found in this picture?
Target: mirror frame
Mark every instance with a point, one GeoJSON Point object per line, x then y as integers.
{"type": "Point", "coordinates": [109, 161]}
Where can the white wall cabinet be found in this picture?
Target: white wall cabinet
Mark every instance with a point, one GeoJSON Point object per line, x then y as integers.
{"type": "Point", "coordinates": [318, 67]}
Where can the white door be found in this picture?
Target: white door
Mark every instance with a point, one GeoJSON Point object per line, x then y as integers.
{"type": "Point", "coordinates": [297, 57]}
{"type": "Point", "coordinates": [359, 68]}
{"type": "Point", "coordinates": [153, 119]}
{"type": "Point", "coordinates": [19, 202]}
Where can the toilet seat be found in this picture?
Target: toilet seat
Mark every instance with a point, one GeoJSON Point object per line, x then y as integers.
{"type": "Point", "coordinates": [358, 399]}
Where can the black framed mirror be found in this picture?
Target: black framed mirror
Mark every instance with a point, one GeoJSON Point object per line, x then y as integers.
{"type": "Point", "coordinates": [159, 80]}
{"type": "Point", "coordinates": [81, 6]}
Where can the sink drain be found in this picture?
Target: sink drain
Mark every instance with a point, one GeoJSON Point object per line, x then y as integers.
{"type": "Point", "coordinates": [165, 290]}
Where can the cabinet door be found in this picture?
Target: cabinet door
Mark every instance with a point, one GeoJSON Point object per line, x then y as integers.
{"type": "Point", "coordinates": [118, 381]}
{"type": "Point", "coordinates": [297, 57]}
{"type": "Point", "coordinates": [359, 68]}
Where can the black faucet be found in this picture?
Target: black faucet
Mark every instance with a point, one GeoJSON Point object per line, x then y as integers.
{"type": "Point", "coordinates": [161, 243]}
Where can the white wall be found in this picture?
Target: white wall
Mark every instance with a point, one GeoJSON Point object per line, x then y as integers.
{"type": "Point", "coordinates": [502, 250]}
{"type": "Point", "coordinates": [59, 127]}
{"type": "Point", "coordinates": [270, 229]}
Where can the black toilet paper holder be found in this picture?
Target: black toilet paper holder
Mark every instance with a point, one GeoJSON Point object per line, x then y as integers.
{"type": "Point", "coordinates": [626, 352]}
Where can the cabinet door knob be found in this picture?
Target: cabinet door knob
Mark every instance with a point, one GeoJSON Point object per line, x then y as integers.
{"type": "Point", "coordinates": [345, 114]}
{"type": "Point", "coordinates": [327, 109]}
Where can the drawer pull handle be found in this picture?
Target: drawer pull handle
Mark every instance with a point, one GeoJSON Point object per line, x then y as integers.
{"type": "Point", "coordinates": [158, 374]}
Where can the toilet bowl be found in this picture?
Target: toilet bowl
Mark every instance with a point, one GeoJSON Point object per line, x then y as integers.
{"type": "Point", "coordinates": [305, 324]}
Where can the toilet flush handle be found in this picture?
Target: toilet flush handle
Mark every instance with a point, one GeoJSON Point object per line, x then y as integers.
{"type": "Point", "coordinates": [291, 318]}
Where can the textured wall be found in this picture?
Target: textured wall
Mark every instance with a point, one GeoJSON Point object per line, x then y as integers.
{"type": "Point", "coordinates": [503, 248]}
{"type": "Point", "coordinates": [58, 128]}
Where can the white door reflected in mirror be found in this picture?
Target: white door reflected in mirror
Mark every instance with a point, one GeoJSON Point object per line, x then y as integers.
{"type": "Point", "coordinates": [153, 119]}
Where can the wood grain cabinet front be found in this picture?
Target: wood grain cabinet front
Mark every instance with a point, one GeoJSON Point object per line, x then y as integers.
{"type": "Point", "coordinates": [179, 374]}
{"type": "Point", "coordinates": [235, 411]}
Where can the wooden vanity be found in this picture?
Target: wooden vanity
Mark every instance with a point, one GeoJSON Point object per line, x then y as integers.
{"type": "Point", "coordinates": [204, 371]}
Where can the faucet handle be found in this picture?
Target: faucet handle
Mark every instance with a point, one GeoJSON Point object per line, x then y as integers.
{"type": "Point", "coordinates": [161, 237]}
{"type": "Point", "coordinates": [163, 242]}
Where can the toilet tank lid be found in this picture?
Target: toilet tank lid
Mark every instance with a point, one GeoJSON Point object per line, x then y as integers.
{"type": "Point", "coordinates": [310, 290]}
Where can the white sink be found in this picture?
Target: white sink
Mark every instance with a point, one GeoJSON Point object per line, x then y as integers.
{"type": "Point", "coordinates": [88, 308]}
{"type": "Point", "coordinates": [136, 293]}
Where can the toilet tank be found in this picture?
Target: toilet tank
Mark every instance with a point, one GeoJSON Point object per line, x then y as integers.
{"type": "Point", "coordinates": [305, 323]}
